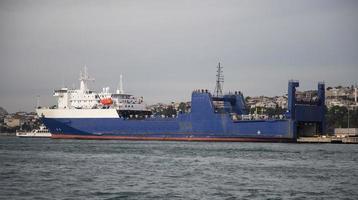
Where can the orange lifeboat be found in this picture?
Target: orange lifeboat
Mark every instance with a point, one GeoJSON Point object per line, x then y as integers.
{"type": "Point", "coordinates": [107, 101]}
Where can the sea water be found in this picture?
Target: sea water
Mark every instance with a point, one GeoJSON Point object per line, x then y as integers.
{"type": "Point", "coordinates": [92, 169]}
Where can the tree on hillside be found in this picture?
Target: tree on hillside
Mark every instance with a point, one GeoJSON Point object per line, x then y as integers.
{"type": "Point", "coordinates": [337, 117]}
{"type": "Point", "coordinates": [183, 107]}
{"type": "Point", "coordinates": [3, 112]}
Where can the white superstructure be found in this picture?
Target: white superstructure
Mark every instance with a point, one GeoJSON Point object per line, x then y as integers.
{"type": "Point", "coordinates": [84, 98]}
{"type": "Point", "coordinates": [84, 102]}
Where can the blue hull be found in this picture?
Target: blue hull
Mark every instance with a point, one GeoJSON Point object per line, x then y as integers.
{"type": "Point", "coordinates": [181, 128]}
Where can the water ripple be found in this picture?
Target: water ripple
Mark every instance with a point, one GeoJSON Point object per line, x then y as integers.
{"type": "Point", "coordinates": [81, 169]}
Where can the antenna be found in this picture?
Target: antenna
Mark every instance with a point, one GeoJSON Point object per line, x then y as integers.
{"type": "Point", "coordinates": [62, 81]}
{"type": "Point", "coordinates": [120, 86]}
{"type": "Point", "coordinates": [219, 81]}
{"type": "Point", "coordinates": [37, 101]}
{"type": "Point", "coordinates": [84, 78]}
{"type": "Point", "coordinates": [355, 94]}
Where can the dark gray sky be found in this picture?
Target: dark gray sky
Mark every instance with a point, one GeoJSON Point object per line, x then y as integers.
{"type": "Point", "coordinates": [165, 48]}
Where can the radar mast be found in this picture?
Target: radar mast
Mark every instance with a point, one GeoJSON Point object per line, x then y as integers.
{"type": "Point", "coordinates": [120, 85]}
{"type": "Point", "coordinates": [84, 78]}
{"type": "Point", "coordinates": [219, 81]}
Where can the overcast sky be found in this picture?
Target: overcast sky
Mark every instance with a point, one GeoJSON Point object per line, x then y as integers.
{"type": "Point", "coordinates": [167, 48]}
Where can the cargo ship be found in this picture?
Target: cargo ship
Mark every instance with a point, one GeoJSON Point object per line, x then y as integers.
{"type": "Point", "coordinates": [86, 114]}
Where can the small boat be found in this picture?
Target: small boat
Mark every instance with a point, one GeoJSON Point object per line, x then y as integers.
{"type": "Point", "coordinates": [42, 132]}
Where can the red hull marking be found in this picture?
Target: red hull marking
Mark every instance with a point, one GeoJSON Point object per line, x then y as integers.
{"type": "Point", "coordinates": [195, 139]}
